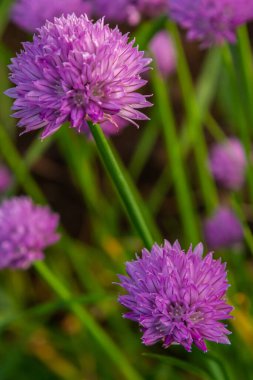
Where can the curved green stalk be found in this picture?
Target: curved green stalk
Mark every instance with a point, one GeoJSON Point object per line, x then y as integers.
{"type": "Point", "coordinates": [88, 321]}
{"type": "Point", "coordinates": [195, 116]}
{"type": "Point", "coordinates": [19, 168]}
{"type": "Point", "coordinates": [180, 180]}
{"type": "Point", "coordinates": [120, 182]}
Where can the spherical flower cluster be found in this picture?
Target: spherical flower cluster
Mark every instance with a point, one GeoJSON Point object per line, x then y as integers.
{"type": "Point", "coordinates": [211, 21]}
{"type": "Point", "coordinates": [130, 11]}
{"type": "Point", "coordinates": [32, 14]}
{"type": "Point", "coordinates": [164, 53]}
{"type": "Point", "coordinates": [223, 229]}
{"type": "Point", "coordinates": [5, 178]}
{"type": "Point", "coordinates": [25, 231]}
{"type": "Point", "coordinates": [227, 162]}
{"type": "Point", "coordinates": [77, 71]}
{"type": "Point", "coordinates": [177, 297]}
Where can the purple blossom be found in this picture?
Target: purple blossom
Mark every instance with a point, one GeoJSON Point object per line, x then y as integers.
{"type": "Point", "coordinates": [177, 297]}
{"type": "Point", "coordinates": [164, 52]}
{"type": "Point", "coordinates": [211, 21]}
{"type": "Point", "coordinates": [227, 162]}
{"type": "Point", "coordinates": [77, 71]}
{"type": "Point", "coordinates": [223, 229]}
{"type": "Point", "coordinates": [5, 178]}
{"type": "Point", "coordinates": [130, 11]}
{"type": "Point", "coordinates": [25, 231]}
{"type": "Point", "coordinates": [114, 11]}
{"type": "Point", "coordinates": [32, 14]}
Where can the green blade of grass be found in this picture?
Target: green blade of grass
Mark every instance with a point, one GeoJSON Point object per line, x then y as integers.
{"type": "Point", "coordinates": [195, 113]}
{"type": "Point", "coordinates": [180, 180]}
{"type": "Point", "coordinates": [181, 364]}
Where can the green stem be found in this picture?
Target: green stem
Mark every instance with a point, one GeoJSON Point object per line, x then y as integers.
{"type": "Point", "coordinates": [246, 229]}
{"type": "Point", "coordinates": [127, 198]}
{"type": "Point", "coordinates": [152, 226]}
{"type": "Point", "coordinates": [144, 148]}
{"type": "Point", "coordinates": [98, 333]}
{"type": "Point", "coordinates": [5, 7]}
{"type": "Point", "coordinates": [233, 61]}
{"type": "Point", "coordinates": [183, 191]}
{"type": "Point", "coordinates": [18, 167]}
{"type": "Point", "coordinates": [196, 112]}
{"type": "Point", "coordinates": [36, 149]}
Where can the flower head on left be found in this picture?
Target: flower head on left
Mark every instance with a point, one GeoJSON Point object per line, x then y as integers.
{"type": "Point", "coordinates": [26, 230]}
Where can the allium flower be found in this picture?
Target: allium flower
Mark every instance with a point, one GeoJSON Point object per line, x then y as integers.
{"type": "Point", "coordinates": [164, 52]}
{"type": "Point", "coordinates": [32, 14]}
{"type": "Point", "coordinates": [130, 11]}
{"type": "Point", "coordinates": [77, 71]}
{"type": "Point", "coordinates": [115, 11]}
{"type": "Point", "coordinates": [25, 231]}
{"type": "Point", "coordinates": [211, 21]}
{"type": "Point", "coordinates": [177, 297]}
{"type": "Point", "coordinates": [227, 162]}
{"type": "Point", "coordinates": [223, 229]}
{"type": "Point", "coordinates": [5, 178]}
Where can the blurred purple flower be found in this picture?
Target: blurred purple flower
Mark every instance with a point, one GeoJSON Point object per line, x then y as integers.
{"type": "Point", "coordinates": [32, 14]}
{"type": "Point", "coordinates": [5, 178]}
{"type": "Point", "coordinates": [223, 229]}
{"type": "Point", "coordinates": [77, 71]}
{"type": "Point", "coordinates": [130, 11]}
{"type": "Point", "coordinates": [164, 52]}
{"type": "Point", "coordinates": [211, 21]}
{"type": "Point", "coordinates": [177, 297]}
{"type": "Point", "coordinates": [152, 8]}
{"type": "Point", "coordinates": [227, 162]}
{"type": "Point", "coordinates": [114, 11]}
{"type": "Point", "coordinates": [25, 231]}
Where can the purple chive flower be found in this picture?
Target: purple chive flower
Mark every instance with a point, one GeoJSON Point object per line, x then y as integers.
{"type": "Point", "coordinates": [32, 14]}
{"type": "Point", "coordinates": [25, 231]}
{"type": "Point", "coordinates": [5, 178]}
{"type": "Point", "coordinates": [211, 21]}
{"type": "Point", "coordinates": [77, 71]}
{"type": "Point", "coordinates": [177, 297]}
{"type": "Point", "coordinates": [130, 11]}
{"type": "Point", "coordinates": [164, 52]}
{"type": "Point", "coordinates": [223, 229]}
{"type": "Point", "coordinates": [227, 162]}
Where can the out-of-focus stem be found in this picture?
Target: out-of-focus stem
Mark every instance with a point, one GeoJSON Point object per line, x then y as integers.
{"type": "Point", "coordinates": [183, 191]}
{"type": "Point", "coordinates": [133, 210]}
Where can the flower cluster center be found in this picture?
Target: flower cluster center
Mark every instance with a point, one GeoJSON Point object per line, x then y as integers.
{"type": "Point", "coordinates": [176, 311]}
{"type": "Point", "coordinates": [79, 99]}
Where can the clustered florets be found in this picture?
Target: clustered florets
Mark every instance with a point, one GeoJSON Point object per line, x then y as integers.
{"type": "Point", "coordinates": [177, 297]}
{"type": "Point", "coordinates": [211, 21]}
{"type": "Point", "coordinates": [77, 71]}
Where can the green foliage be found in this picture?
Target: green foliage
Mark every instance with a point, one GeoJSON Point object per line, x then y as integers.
{"type": "Point", "coordinates": [60, 320]}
